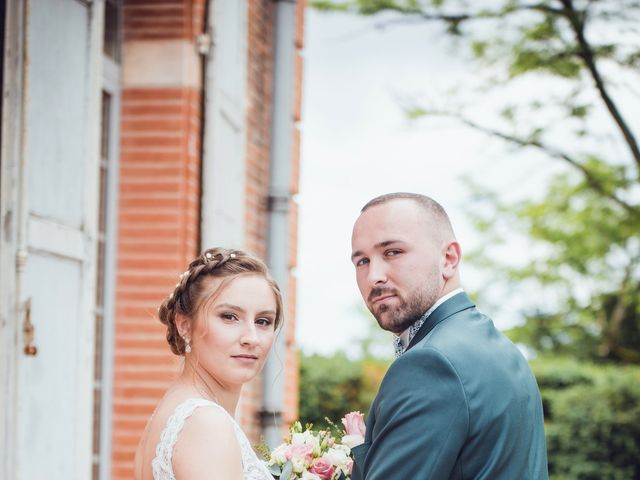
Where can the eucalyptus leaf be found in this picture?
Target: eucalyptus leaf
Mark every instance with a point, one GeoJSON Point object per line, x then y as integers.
{"type": "Point", "coordinates": [287, 471]}
{"type": "Point", "coordinates": [275, 470]}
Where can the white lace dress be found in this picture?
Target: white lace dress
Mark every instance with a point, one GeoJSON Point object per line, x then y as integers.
{"type": "Point", "coordinates": [252, 467]}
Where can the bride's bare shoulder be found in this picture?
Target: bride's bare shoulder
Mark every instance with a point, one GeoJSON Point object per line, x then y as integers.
{"type": "Point", "coordinates": [207, 443]}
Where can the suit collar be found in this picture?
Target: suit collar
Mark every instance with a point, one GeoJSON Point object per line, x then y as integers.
{"type": "Point", "coordinates": [455, 304]}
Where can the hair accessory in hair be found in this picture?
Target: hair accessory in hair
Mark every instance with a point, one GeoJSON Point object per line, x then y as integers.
{"type": "Point", "coordinates": [233, 255]}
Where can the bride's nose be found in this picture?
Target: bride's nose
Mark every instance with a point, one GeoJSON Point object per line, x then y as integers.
{"type": "Point", "coordinates": [249, 335]}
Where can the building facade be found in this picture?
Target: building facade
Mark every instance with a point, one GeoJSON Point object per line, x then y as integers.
{"type": "Point", "coordinates": [134, 135]}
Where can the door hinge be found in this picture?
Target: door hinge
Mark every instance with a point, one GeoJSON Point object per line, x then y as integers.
{"type": "Point", "coordinates": [204, 42]}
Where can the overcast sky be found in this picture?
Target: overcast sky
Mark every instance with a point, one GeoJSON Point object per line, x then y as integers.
{"type": "Point", "coordinates": [357, 144]}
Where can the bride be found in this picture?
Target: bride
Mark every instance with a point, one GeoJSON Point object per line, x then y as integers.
{"type": "Point", "coordinates": [221, 316]}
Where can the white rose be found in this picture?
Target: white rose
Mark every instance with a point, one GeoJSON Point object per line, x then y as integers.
{"type": "Point", "coordinates": [337, 455]}
{"type": "Point", "coordinates": [298, 464]}
{"type": "Point", "coordinates": [310, 476]}
{"type": "Point", "coordinates": [352, 441]}
{"type": "Point", "coordinates": [308, 438]}
{"type": "Point", "coordinates": [278, 455]}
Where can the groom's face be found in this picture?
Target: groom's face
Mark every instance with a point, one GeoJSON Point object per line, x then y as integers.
{"type": "Point", "coordinates": [399, 262]}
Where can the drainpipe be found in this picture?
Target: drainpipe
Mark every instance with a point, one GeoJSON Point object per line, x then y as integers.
{"type": "Point", "coordinates": [278, 207]}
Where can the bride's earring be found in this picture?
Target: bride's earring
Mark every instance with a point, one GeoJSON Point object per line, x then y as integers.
{"type": "Point", "coordinates": [187, 347]}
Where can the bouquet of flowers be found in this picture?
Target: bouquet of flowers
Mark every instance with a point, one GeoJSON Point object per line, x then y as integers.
{"type": "Point", "coordinates": [317, 455]}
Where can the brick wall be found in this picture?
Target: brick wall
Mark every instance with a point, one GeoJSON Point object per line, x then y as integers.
{"type": "Point", "coordinates": [160, 199]}
{"type": "Point", "coordinates": [158, 212]}
{"type": "Point", "coordinates": [163, 19]}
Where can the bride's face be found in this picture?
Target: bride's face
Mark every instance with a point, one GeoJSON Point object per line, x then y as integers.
{"type": "Point", "coordinates": [234, 336]}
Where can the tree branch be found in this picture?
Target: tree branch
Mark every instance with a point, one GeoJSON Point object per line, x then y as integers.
{"type": "Point", "coordinates": [586, 53]}
{"type": "Point", "coordinates": [449, 18]}
{"type": "Point", "coordinates": [547, 149]}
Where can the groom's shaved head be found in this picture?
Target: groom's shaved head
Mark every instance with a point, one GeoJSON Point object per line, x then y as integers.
{"type": "Point", "coordinates": [435, 215]}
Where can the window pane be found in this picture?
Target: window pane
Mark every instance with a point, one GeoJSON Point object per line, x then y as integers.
{"type": "Point", "coordinates": [112, 30]}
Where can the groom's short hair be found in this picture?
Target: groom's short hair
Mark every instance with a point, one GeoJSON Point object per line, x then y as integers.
{"type": "Point", "coordinates": [433, 210]}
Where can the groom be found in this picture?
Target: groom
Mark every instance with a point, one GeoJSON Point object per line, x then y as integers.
{"type": "Point", "coordinates": [460, 401]}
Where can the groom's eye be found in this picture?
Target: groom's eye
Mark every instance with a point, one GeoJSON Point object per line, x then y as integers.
{"type": "Point", "coordinates": [392, 253]}
{"type": "Point", "coordinates": [362, 261]}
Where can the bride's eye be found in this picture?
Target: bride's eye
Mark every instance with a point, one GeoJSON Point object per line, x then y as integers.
{"type": "Point", "coordinates": [265, 322]}
{"type": "Point", "coordinates": [229, 316]}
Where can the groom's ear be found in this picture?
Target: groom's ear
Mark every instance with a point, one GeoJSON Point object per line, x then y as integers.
{"type": "Point", "coordinates": [452, 257]}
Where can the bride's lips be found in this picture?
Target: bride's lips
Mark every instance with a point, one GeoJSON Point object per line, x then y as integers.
{"type": "Point", "coordinates": [246, 358]}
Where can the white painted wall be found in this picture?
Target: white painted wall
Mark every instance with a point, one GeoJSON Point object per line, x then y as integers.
{"type": "Point", "coordinates": [224, 164]}
{"type": "Point", "coordinates": [49, 395]}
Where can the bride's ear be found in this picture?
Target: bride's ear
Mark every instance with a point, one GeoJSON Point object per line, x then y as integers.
{"type": "Point", "coordinates": [183, 324]}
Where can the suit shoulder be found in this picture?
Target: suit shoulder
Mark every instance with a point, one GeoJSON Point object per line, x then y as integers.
{"type": "Point", "coordinates": [419, 368]}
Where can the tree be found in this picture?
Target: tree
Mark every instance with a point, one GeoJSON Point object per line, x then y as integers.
{"type": "Point", "coordinates": [582, 57]}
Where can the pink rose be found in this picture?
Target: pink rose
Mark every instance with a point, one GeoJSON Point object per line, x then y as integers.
{"type": "Point", "coordinates": [322, 468]}
{"type": "Point", "coordinates": [302, 450]}
{"type": "Point", "coordinates": [354, 423]}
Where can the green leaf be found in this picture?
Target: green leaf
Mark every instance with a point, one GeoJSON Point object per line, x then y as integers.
{"type": "Point", "coordinates": [287, 471]}
{"type": "Point", "coordinates": [579, 111]}
{"type": "Point", "coordinates": [479, 48]}
{"type": "Point", "coordinates": [275, 470]}
{"type": "Point", "coordinates": [543, 31]}
{"type": "Point", "coordinates": [328, 6]}
{"type": "Point", "coordinates": [416, 113]}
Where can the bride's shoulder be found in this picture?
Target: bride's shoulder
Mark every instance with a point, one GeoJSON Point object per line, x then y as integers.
{"type": "Point", "coordinates": [207, 441]}
{"type": "Point", "coordinates": [212, 421]}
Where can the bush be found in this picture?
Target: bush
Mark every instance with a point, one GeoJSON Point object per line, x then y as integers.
{"type": "Point", "coordinates": [335, 385]}
{"type": "Point", "coordinates": [592, 416]}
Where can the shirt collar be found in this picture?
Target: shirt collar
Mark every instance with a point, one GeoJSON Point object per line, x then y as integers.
{"type": "Point", "coordinates": [400, 342]}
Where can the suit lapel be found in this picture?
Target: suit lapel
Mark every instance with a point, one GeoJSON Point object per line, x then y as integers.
{"type": "Point", "coordinates": [455, 304]}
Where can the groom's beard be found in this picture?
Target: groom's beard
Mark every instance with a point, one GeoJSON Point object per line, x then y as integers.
{"type": "Point", "coordinates": [397, 318]}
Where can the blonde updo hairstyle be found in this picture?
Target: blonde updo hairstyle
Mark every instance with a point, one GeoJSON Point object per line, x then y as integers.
{"type": "Point", "coordinates": [190, 293]}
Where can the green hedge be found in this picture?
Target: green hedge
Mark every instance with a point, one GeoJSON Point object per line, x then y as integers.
{"type": "Point", "coordinates": [592, 416]}
{"type": "Point", "coordinates": [335, 385]}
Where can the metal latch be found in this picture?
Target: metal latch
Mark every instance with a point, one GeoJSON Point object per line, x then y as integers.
{"type": "Point", "coordinates": [29, 331]}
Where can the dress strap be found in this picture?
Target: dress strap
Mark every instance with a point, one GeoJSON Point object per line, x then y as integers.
{"type": "Point", "coordinates": [161, 464]}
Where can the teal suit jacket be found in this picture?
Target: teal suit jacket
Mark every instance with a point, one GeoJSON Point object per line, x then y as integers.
{"type": "Point", "coordinates": [461, 403]}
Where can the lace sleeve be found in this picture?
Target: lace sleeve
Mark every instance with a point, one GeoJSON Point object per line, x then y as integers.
{"type": "Point", "coordinates": [161, 464]}
{"type": "Point", "coordinates": [252, 467]}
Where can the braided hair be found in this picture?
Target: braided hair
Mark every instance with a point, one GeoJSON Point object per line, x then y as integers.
{"type": "Point", "coordinates": [190, 291]}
